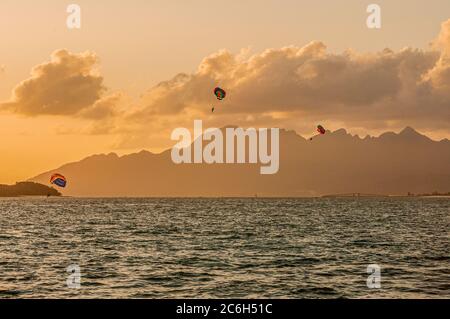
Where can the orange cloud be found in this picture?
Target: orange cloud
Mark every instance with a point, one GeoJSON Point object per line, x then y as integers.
{"type": "Point", "coordinates": [105, 107]}
{"type": "Point", "coordinates": [66, 85]}
{"type": "Point", "coordinates": [440, 74]}
{"type": "Point", "coordinates": [407, 87]}
{"type": "Point", "coordinates": [291, 87]}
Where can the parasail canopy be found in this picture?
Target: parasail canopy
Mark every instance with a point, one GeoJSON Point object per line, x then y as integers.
{"type": "Point", "coordinates": [58, 180]}
{"type": "Point", "coordinates": [219, 93]}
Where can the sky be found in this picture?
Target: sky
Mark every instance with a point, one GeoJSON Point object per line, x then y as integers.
{"type": "Point", "coordinates": [136, 71]}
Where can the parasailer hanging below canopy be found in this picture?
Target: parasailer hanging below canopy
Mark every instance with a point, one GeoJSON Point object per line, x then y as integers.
{"type": "Point", "coordinates": [219, 93]}
{"type": "Point", "coordinates": [58, 180]}
{"type": "Point", "coordinates": [320, 130]}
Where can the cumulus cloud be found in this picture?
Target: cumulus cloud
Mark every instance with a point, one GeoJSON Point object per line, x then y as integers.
{"type": "Point", "coordinates": [66, 85]}
{"type": "Point", "coordinates": [105, 107]}
{"type": "Point", "coordinates": [291, 87]}
{"type": "Point", "coordinates": [440, 74]}
{"type": "Point", "coordinates": [407, 87]}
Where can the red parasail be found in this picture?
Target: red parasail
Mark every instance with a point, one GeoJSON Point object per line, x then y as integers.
{"type": "Point", "coordinates": [320, 130]}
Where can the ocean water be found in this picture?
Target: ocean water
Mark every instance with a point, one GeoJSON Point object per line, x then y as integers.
{"type": "Point", "coordinates": [224, 248]}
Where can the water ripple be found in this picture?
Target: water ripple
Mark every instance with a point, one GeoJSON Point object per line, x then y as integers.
{"type": "Point", "coordinates": [224, 248]}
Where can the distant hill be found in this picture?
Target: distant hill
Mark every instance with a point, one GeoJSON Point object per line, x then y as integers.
{"type": "Point", "coordinates": [335, 163]}
{"type": "Point", "coordinates": [27, 189]}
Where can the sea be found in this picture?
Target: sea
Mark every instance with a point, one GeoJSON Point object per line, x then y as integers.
{"type": "Point", "coordinates": [224, 248]}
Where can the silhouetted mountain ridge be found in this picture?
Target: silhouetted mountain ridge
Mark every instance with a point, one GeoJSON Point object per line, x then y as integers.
{"type": "Point", "coordinates": [337, 162]}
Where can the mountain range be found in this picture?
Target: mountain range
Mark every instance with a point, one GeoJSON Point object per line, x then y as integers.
{"type": "Point", "coordinates": [335, 163]}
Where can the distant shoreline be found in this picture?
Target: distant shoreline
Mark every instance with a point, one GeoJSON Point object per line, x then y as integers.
{"type": "Point", "coordinates": [220, 197]}
{"type": "Point", "coordinates": [357, 195]}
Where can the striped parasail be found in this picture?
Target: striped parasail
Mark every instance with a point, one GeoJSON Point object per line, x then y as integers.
{"type": "Point", "coordinates": [58, 180]}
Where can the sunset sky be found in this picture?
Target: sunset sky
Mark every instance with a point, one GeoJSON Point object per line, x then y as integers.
{"type": "Point", "coordinates": [138, 69]}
